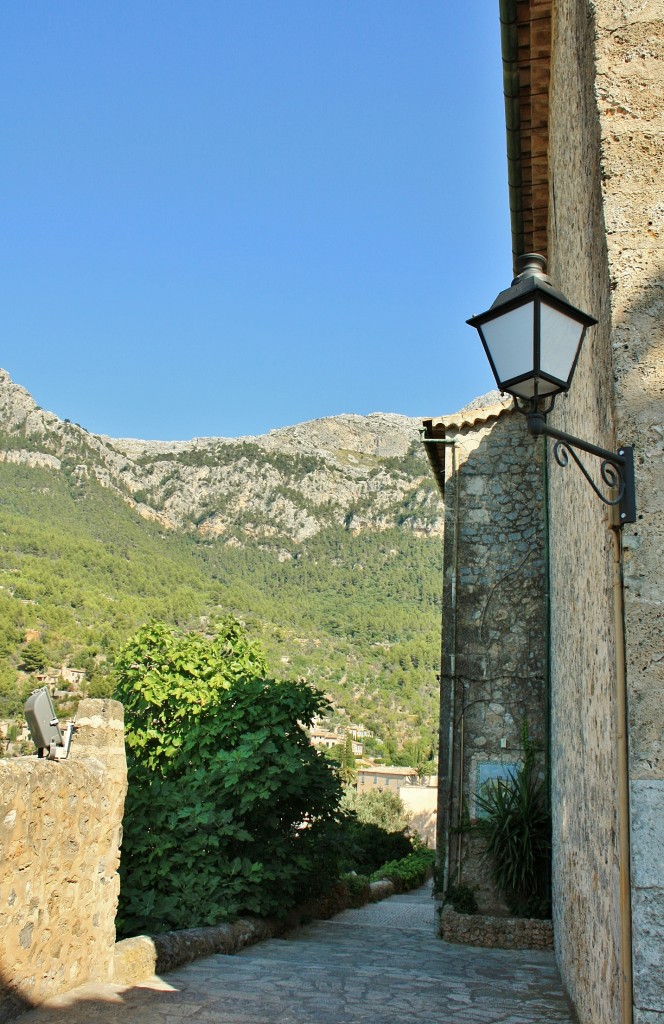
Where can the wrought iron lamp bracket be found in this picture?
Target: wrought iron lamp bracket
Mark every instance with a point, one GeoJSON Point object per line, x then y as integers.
{"type": "Point", "coordinates": [616, 468]}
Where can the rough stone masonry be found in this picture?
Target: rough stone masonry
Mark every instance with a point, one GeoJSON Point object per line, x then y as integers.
{"type": "Point", "coordinates": [60, 834]}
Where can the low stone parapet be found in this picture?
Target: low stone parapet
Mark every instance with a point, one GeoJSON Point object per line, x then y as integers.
{"type": "Point", "coordinates": [380, 890]}
{"type": "Point", "coordinates": [138, 958]}
{"type": "Point", "coordinates": [495, 932]}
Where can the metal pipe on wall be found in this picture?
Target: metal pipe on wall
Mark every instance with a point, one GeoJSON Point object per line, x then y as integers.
{"type": "Point", "coordinates": [447, 660]}
{"type": "Point", "coordinates": [460, 796]}
{"type": "Point", "coordinates": [451, 654]}
{"type": "Point", "coordinates": [622, 762]}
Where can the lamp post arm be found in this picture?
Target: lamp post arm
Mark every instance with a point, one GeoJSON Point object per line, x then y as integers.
{"type": "Point", "coordinates": [537, 426]}
{"type": "Point", "coordinates": [617, 468]}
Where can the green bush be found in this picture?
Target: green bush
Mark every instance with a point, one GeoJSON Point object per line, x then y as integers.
{"type": "Point", "coordinates": [409, 872]}
{"type": "Point", "coordinates": [229, 809]}
{"type": "Point", "coordinates": [357, 889]}
{"type": "Point", "coordinates": [364, 847]}
{"type": "Point", "coordinates": [372, 830]}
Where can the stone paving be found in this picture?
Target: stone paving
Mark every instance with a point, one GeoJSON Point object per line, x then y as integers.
{"type": "Point", "coordinates": [381, 964]}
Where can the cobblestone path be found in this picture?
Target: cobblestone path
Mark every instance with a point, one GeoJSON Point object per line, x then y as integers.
{"type": "Point", "coordinates": [378, 965]}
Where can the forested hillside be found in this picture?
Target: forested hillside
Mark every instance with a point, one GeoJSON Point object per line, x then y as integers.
{"type": "Point", "coordinates": [343, 592]}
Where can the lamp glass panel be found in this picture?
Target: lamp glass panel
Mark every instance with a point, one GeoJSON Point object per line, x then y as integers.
{"type": "Point", "coordinates": [509, 338]}
{"type": "Point", "coordinates": [560, 337]}
{"type": "Point", "coordinates": [526, 388]}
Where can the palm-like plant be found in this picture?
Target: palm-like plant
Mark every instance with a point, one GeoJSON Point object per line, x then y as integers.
{"type": "Point", "coordinates": [516, 825]}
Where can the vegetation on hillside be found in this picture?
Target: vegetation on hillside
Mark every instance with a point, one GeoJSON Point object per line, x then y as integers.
{"type": "Point", "coordinates": [356, 615]}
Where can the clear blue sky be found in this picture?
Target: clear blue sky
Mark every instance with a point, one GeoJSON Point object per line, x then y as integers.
{"type": "Point", "coordinates": [223, 216]}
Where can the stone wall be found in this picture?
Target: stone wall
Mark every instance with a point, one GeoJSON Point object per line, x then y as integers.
{"type": "Point", "coordinates": [60, 834]}
{"type": "Point", "coordinates": [493, 664]}
{"type": "Point", "coordinates": [494, 932]}
{"type": "Point", "coordinates": [630, 87]}
{"type": "Point", "coordinates": [606, 217]}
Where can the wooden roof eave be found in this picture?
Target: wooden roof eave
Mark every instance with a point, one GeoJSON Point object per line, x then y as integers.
{"type": "Point", "coordinates": [434, 445]}
{"type": "Point", "coordinates": [526, 53]}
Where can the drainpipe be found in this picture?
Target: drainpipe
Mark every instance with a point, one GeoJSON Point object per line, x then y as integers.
{"type": "Point", "coordinates": [462, 752]}
{"type": "Point", "coordinates": [447, 713]}
{"type": "Point", "coordinates": [626, 989]}
{"type": "Point", "coordinates": [547, 647]}
{"type": "Point", "coordinates": [452, 672]}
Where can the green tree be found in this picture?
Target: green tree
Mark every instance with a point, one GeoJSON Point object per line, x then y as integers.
{"type": "Point", "coordinates": [348, 766]}
{"type": "Point", "coordinates": [100, 686]}
{"type": "Point", "coordinates": [426, 768]}
{"type": "Point", "coordinates": [378, 807]}
{"type": "Point", "coordinates": [13, 694]}
{"type": "Point", "coordinates": [335, 755]}
{"type": "Point", "coordinates": [229, 805]}
{"type": "Point", "coordinates": [33, 656]}
{"type": "Point", "coordinates": [9, 638]}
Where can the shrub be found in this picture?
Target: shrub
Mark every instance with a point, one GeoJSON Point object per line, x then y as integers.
{"type": "Point", "coordinates": [364, 847]}
{"type": "Point", "coordinates": [373, 831]}
{"type": "Point", "coordinates": [357, 888]}
{"type": "Point", "coordinates": [377, 807]}
{"type": "Point", "coordinates": [409, 872]}
{"type": "Point", "coordinates": [229, 809]}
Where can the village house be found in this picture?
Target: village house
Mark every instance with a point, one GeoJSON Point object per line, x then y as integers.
{"type": "Point", "coordinates": [324, 738]}
{"type": "Point", "coordinates": [54, 678]}
{"type": "Point", "coordinates": [384, 777]}
{"type": "Point", "coordinates": [327, 739]}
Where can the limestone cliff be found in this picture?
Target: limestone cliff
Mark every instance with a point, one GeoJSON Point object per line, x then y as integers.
{"type": "Point", "coordinates": [361, 472]}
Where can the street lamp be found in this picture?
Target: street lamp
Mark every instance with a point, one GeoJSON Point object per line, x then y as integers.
{"type": "Point", "coordinates": [532, 336]}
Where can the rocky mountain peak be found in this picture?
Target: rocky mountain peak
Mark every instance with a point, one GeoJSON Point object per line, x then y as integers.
{"type": "Point", "coordinates": [361, 472]}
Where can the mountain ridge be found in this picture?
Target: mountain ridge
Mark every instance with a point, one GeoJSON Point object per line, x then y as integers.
{"type": "Point", "coordinates": [134, 444]}
{"type": "Point", "coordinates": [359, 472]}
{"type": "Point", "coordinates": [324, 538]}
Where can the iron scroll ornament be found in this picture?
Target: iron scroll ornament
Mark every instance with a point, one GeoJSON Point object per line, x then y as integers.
{"type": "Point", "coordinates": [609, 471]}
{"type": "Point", "coordinates": [616, 469]}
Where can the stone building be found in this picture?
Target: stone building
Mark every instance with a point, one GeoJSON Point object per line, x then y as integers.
{"type": "Point", "coordinates": [584, 91]}
{"type": "Point", "coordinates": [493, 663]}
